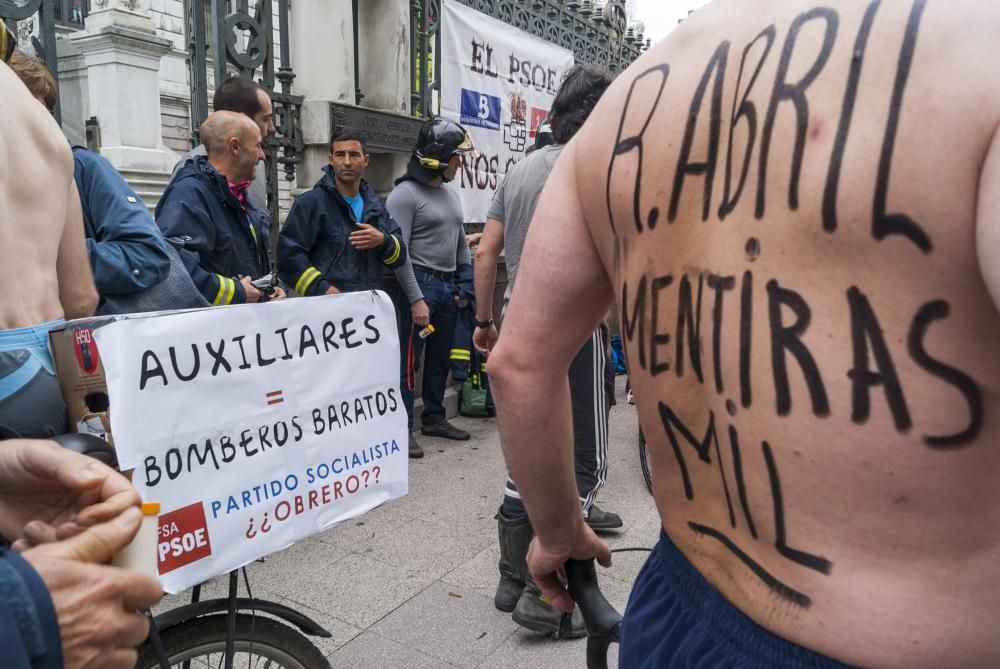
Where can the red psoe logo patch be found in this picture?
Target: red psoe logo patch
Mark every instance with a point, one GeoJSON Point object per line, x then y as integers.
{"type": "Point", "coordinates": [183, 538]}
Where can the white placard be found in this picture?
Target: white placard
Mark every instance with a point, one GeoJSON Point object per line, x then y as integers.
{"type": "Point", "coordinates": [255, 426]}
{"type": "Point", "coordinates": [499, 82]}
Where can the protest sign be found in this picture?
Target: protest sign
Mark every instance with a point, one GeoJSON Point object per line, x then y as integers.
{"type": "Point", "coordinates": [255, 426]}
{"type": "Point", "coordinates": [499, 82]}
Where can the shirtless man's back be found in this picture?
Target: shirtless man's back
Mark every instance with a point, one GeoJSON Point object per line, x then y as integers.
{"type": "Point", "coordinates": [798, 210]}
{"type": "Point", "coordinates": [42, 249]}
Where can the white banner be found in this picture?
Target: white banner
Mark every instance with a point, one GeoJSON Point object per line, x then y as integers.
{"type": "Point", "coordinates": [256, 426]}
{"type": "Point", "coordinates": [498, 82]}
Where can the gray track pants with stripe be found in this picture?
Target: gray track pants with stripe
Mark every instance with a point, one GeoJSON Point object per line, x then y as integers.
{"type": "Point", "coordinates": [591, 395]}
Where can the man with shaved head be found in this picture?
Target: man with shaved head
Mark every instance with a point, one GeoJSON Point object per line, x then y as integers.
{"type": "Point", "coordinates": [226, 236]}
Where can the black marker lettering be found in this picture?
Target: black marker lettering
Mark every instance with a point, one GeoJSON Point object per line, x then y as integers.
{"type": "Point", "coordinates": [865, 328]}
{"type": "Point", "coordinates": [884, 224]}
{"type": "Point", "coordinates": [788, 339]}
{"type": "Point", "coordinates": [716, 68]}
{"type": "Point", "coordinates": [195, 364]}
{"type": "Point", "coordinates": [626, 145]}
{"type": "Point", "coordinates": [689, 326]}
{"type": "Point", "coordinates": [656, 338]}
{"type": "Point", "coordinates": [671, 421]}
{"type": "Point", "coordinates": [720, 284]}
{"type": "Point", "coordinates": [747, 111]}
{"type": "Point", "coordinates": [796, 94]}
{"type": "Point", "coordinates": [746, 331]}
{"type": "Point", "coordinates": [930, 312]}
{"type": "Point", "coordinates": [846, 114]}
{"type": "Point", "coordinates": [814, 562]}
{"type": "Point", "coordinates": [638, 318]}
{"type": "Point", "coordinates": [218, 358]}
{"type": "Point", "coordinates": [741, 487]}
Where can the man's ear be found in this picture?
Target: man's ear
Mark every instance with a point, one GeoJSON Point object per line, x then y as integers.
{"type": "Point", "coordinates": [234, 146]}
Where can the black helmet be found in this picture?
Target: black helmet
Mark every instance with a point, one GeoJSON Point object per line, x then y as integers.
{"type": "Point", "coordinates": [440, 139]}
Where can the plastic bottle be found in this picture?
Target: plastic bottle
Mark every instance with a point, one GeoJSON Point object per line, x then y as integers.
{"type": "Point", "coordinates": [140, 554]}
{"type": "Point", "coordinates": [426, 332]}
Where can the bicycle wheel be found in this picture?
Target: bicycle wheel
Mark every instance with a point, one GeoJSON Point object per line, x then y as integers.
{"type": "Point", "coordinates": [261, 643]}
{"type": "Point", "coordinates": [647, 473]}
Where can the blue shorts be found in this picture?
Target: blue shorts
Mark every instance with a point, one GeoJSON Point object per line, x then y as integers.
{"type": "Point", "coordinates": [31, 403]}
{"type": "Point", "coordinates": [677, 620]}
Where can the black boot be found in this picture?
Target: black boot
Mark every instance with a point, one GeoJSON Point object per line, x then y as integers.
{"type": "Point", "coordinates": [515, 535]}
{"type": "Point", "coordinates": [415, 450]}
{"type": "Point", "coordinates": [535, 613]}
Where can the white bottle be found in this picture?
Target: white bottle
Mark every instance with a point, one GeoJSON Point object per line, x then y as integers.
{"type": "Point", "coordinates": [140, 554]}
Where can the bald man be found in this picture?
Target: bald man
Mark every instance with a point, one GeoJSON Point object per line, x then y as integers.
{"type": "Point", "coordinates": [227, 245]}
{"type": "Point", "coordinates": [797, 210]}
{"type": "Point", "coordinates": [44, 257]}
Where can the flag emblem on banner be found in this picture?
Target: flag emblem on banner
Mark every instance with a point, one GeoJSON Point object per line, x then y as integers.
{"type": "Point", "coordinates": [537, 116]}
{"type": "Point", "coordinates": [480, 110]}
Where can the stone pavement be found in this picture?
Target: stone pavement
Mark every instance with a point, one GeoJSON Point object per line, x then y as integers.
{"type": "Point", "coordinates": [411, 583]}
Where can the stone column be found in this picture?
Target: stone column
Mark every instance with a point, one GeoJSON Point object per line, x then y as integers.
{"type": "Point", "coordinates": [120, 54]}
{"type": "Point", "coordinates": [384, 27]}
{"type": "Point", "coordinates": [323, 60]}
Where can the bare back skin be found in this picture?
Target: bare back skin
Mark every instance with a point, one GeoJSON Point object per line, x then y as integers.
{"type": "Point", "coordinates": [794, 195]}
{"type": "Point", "coordinates": [42, 249]}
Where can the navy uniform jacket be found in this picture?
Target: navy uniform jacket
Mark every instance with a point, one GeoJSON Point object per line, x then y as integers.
{"type": "Point", "coordinates": [127, 252]}
{"type": "Point", "coordinates": [223, 239]}
{"type": "Point", "coordinates": [29, 629]}
{"type": "Point", "coordinates": [314, 251]}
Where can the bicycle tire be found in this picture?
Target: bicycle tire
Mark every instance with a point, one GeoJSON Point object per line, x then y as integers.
{"type": "Point", "coordinates": [647, 472]}
{"type": "Point", "coordinates": [205, 639]}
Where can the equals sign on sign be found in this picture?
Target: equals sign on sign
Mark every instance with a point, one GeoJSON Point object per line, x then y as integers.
{"type": "Point", "coordinates": [274, 397]}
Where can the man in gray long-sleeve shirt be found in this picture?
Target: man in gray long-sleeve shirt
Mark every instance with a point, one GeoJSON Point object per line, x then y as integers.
{"type": "Point", "coordinates": [437, 276]}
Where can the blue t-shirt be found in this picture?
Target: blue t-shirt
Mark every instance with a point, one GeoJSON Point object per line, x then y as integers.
{"type": "Point", "coordinates": [357, 205]}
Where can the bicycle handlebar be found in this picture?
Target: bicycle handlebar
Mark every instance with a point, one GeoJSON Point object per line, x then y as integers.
{"type": "Point", "coordinates": [603, 622]}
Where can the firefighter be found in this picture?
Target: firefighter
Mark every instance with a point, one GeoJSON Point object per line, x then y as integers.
{"type": "Point", "coordinates": [339, 236]}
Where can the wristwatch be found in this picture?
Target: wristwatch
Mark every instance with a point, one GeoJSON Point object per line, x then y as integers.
{"type": "Point", "coordinates": [484, 324]}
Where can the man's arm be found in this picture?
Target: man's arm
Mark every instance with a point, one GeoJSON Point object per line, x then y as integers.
{"type": "Point", "coordinates": [128, 252]}
{"type": "Point", "coordinates": [988, 220]}
{"type": "Point", "coordinates": [297, 239]}
{"type": "Point", "coordinates": [77, 292]}
{"type": "Point", "coordinates": [402, 209]}
{"type": "Point", "coordinates": [530, 382]}
{"type": "Point", "coordinates": [393, 253]}
{"type": "Point", "coordinates": [485, 267]}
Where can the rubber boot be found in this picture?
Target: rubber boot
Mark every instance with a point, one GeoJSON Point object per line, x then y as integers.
{"type": "Point", "coordinates": [534, 612]}
{"type": "Point", "coordinates": [515, 535]}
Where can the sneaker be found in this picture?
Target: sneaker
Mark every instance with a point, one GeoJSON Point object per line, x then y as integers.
{"type": "Point", "coordinates": [629, 397]}
{"type": "Point", "coordinates": [415, 450]}
{"type": "Point", "coordinates": [599, 519]}
{"type": "Point", "coordinates": [445, 430]}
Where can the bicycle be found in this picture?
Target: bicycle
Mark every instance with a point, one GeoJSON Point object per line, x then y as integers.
{"type": "Point", "coordinates": [647, 471]}
{"type": "Point", "coordinates": [214, 632]}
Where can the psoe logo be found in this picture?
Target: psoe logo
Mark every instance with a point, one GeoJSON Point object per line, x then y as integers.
{"type": "Point", "coordinates": [480, 110]}
{"type": "Point", "coordinates": [183, 538]}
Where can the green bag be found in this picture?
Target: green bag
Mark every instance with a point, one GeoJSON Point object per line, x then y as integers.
{"type": "Point", "coordinates": [473, 398]}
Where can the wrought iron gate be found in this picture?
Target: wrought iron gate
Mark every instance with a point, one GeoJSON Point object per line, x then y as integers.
{"type": "Point", "coordinates": [599, 36]}
{"type": "Point", "coordinates": [20, 17]}
{"type": "Point", "coordinates": [247, 42]}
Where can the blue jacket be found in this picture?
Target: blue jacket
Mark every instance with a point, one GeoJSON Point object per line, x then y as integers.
{"type": "Point", "coordinates": [29, 629]}
{"type": "Point", "coordinates": [314, 251]}
{"type": "Point", "coordinates": [127, 252]}
{"type": "Point", "coordinates": [223, 239]}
